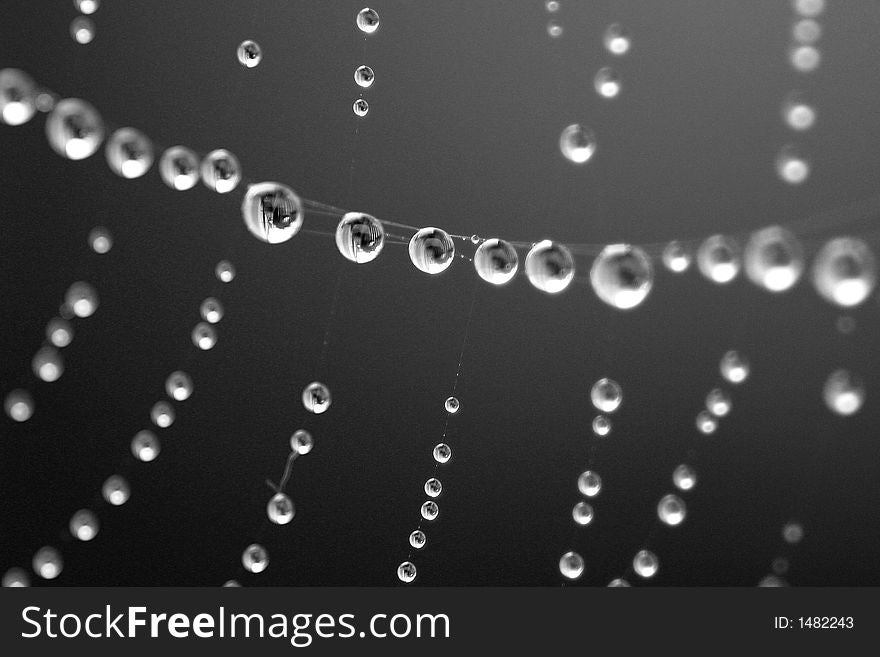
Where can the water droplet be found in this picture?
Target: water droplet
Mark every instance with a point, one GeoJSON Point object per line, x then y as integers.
{"type": "Point", "coordinates": [552, 6]}
{"type": "Point", "coordinates": [221, 171]}
{"type": "Point", "coordinates": [549, 267]}
{"type": "Point", "coordinates": [617, 40]}
{"type": "Point", "coordinates": [554, 29]}
{"type": "Point", "coordinates": [772, 581]}
{"type": "Point", "coordinates": [87, 6]}
{"type": "Point", "coordinates": [805, 58]}
{"type": "Point", "coordinates": [792, 166]}
{"type": "Point", "coordinates": [272, 212]}
{"type": "Point", "coordinates": [496, 261]}
{"type": "Point", "coordinates": [364, 76]}
{"type": "Point", "coordinates": [577, 143]}
{"type": "Point", "coordinates": [607, 82]}
{"type": "Point", "coordinates": [255, 559]}
{"type": "Point", "coordinates": [82, 299]}
{"type": "Point", "coordinates": [48, 364]}
{"type": "Point", "coordinates": [684, 477]}
{"type": "Point", "coordinates": [417, 539]}
{"type": "Point", "coordinates": [74, 129]}
{"type": "Point", "coordinates": [452, 405]}
{"type": "Point", "coordinates": [845, 271]}
{"type": "Point", "coordinates": [793, 532]}
{"type": "Point", "coordinates": [360, 107]}
{"type": "Point", "coordinates": [606, 395]}
{"type": "Point", "coordinates": [406, 572]}
{"type": "Point", "coordinates": [806, 31]}
{"type": "Point", "coordinates": [431, 250]}
{"type": "Point", "coordinates": [47, 563]}
{"type": "Point", "coordinates": [59, 332]}
{"type": "Point", "coordinates": [129, 153]}
{"type": "Point", "coordinates": [797, 113]}
{"type": "Point", "coordinates": [82, 30]}
{"type": "Point", "coordinates": [645, 564]}
{"type": "Point", "coordinates": [84, 525]}
{"type": "Point", "coordinates": [601, 425]}
{"type": "Point", "coordinates": [582, 513]}
{"type": "Point", "coordinates": [622, 276]}
{"type": "Point", "coordinates": [280, 509]}
{"type": "Point", "coordinates": [224, 271]}
{"type": "Point", "coordinates": [100, 240]}
{"type": "Point", "coordinates": [145, 446]}
{"type": "Point", "coordinates": [249, 53]}
{"type": "Point", "coordinates": [808, 8]}
{"type": "Point", "coordinates": [17, 96]}
{"type": "Point", "coordinates": [719, 259]}
{"type": "Point", "coordinates": [734, 367]}
{"type": "Point", "coordinates": [179, 168]}
{"type": "Point", "coordinates": [442, 453]}
{"type": "Point", "coordinates": [316, 397]}
{"type": "Point", "coordinates": [844, 392]}
{"type": "Point", "coordinates": [16, 578]}
{"type": "Point", "coordinates": [433, 487]}
{"type": "Point", "coordinates": [368, 20]}
{"type": "Point", "coordinates": [19, 405]}
{"type": "Point", "coordinates": [618, 582]}
{"type": "Point", "coordinates": [232, 583]}
{"type": "Point", "coordinates": [589, 483]}
{"type": "Point", "coordinates": [162, 414]}
{"type": "Point", "coordinates": [204, 336]}
{"type": "Point", "coordinates": [211, 310]}
{"type": "Point", "coordinates": [774, 259]}
{"type": "Point", "coordinates": [116, 490]}
{"type": "Point", "coordinates": [360, 237]}
{"type": "Point", "coordinates": [301, 442]}
{"type": "Point", "coordinates": [718, 402]}
{"type": "Point", "coordinates": [430, 510]}
{"type": "Point", "coordinates": [706, 423]}
{"type": "Point", "coordinates": [671, 510]}
{"type": "Point", "coordinates": [571, 565]}
{"type": "Point", "coordinates": [676, 257]}
{"type": "Point", "coordinates": [780, 565]}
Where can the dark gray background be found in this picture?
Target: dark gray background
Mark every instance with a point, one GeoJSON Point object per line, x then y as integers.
{"type": "Point", "coordinates": [466, 110]}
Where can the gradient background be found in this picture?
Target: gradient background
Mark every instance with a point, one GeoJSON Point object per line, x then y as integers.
{"type": "Point", "coordinates": [466, 111]}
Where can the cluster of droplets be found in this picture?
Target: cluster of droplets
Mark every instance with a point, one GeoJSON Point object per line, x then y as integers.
{"type": "Point", "coordinates": [82, 27]}
{"type": "Point", "coordinates": [367, 21]}
{"type": "Point", "coordinates": [735, 369]}
{"type": "Point", "coordinates": [792, 533]}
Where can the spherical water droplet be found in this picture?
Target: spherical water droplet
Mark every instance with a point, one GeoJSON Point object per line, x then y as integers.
{"type": "Point", "coordinates": [224, 271]}
{"type": "Point", "coordinates": [272, 212]}
{"type": "Point", "coordinates": [845, 324]}
{"type": "Point", "coordinates": [618, 582]}
{"type": "Point", "coordinates": [87, 6]}
{"type": "Point", "coordinates": [792, 166]}
{"type": "Point", "coordinates": [18, 94]}
{"type": "Point", "coordinates": [431, 250]}
{"type": "Point", "coordinates": [607, 82]}
{"type": "Point", "coordinates": [806, 31]}
{"type": "Point", "coordinates": [549, 267]}
{"type": "Point", "coordinates": [74, 129]}
{"type": "Point", "coordinates": [622, 276]}
{"type": "Point", "coordinates": [552, 6]}
{"type": "Point", "coordinates": [430, 510]}
{"type": "Point", "coordinates": [797, 113]}
{"type": "Point", "coordinates": [617, 39]}
{"type": "Point", "coordinates": [601, 425]}
{"type": "Point", "coordinates": [571, 565]}
{"type": "Point", "coordinates": [301, 442]}
{"type": "Point", "coordinates": [249, 53]}
{"type": "Point", "coordinates": [59, 332]}
{"type": "Point", "coordinates": [19, 405]}
{"type": "Point", "coordinates": [780, 565]}
{"type": "Point", "coordinates": [84, 525]}
{"type": "Point", "coordinates": [221, 171]}
{"type": "Point", "coordinates": [582, 513]}
{"type": "Point", "coordinates": [496, 261]}
{"type": "Point", "coordinates": [280, 509]}
{"type": "Point", "coordinates": [204, 336]}
{"type": "Point", "coordinates": [82, 299]}
{"type": "Point", "coordinates": [589, 483]}
{"type": "Point", "coordinates": [45, 101]}
{"type": "Point", "coordinates": [364, 76]}
{"type": "Point", "coordinates": [606, 395]}
{"type": "Point", "coordinates": [100, 240]}
{"type": "Point", "coordinates": [774, 259]}
{"type": "Point", "coordinates": [645, 564]}
{"type": "Point", "coordinates": [47, 563]}
{"type": "Point", "coordinates": [360, 107]}
{"type": "Point", "coordinates": [16, 578]}
{"type": "Point", "coordinates": [475, 239]}
{"type": "Point", "coordinates": [211, 310]}
{"type": "Point", "coordinates": [844, 392]}
{"type": "Point", "coordinates": [418, 539]}
{"type": "Point", "coordinates": [316, 397]}
{"type": "Point", "coordinates": [162, 414]}
{"type": "Point", "coordinates": [179, 168]}
{"type": "Point", "coordinates": [406, 572]}
{"type": "Point", "coordinates": [82, 30]}
{"type": "Point", "coordinates": [48, 364]}
{"type": "Point", "coordinates": [145, 446]}
{"type": "Point", "coordinates": [808, 8]}
{"type": "Point", "coordinates": [734, 367]}
{"type": "Point", "coordinates": [718, 402]}
{"type": "Point", "coordinates": [442, 453]}
{"type": "Point", "coordinates": [360, 237]}
{"type": "Point", "coordinates": [433, 487]}
{"type": "Point", "coordinates": [719, 259]}
{"type": "Point", "coordinates": [845, 271]}
{"type": "Point", "coordinates": [116, 490]}
{"type": "Point", "coordinates": [577, 143]}
{"type": "Point", "coordinates": [671, 510]}
{"type": "Point", "coordinates": [676, 257]}
{"type": "Point", "coordinates": [793, 532]}
{"type": "Point", "coordinates": [554, 29]}
{"type": "Point", "coordinates": [368, 20]}
{"type": "Point", "coordinates": [805, 58]}
{"type": "Point", "coordinates": [684, 477]}
{"type": "Point", "coordinates": [452, 405]}
{"type": "Point", "coordinates": [706, 423]}
{"type": "Point", "coordinates": [255, 559]}
{"type": "Point", "coordinates": [129, 153]}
